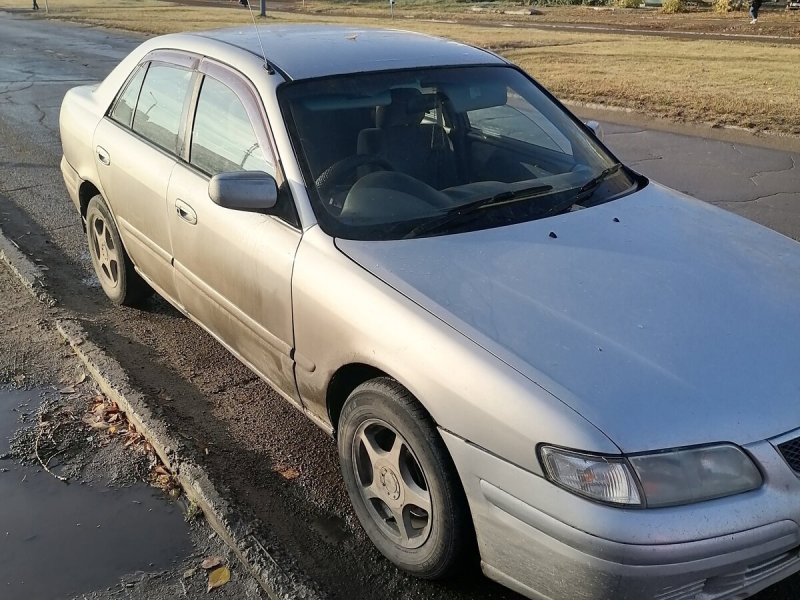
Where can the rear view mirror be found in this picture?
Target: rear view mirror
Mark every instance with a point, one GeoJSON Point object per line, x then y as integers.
{"type": "Point", "coordinates": [244, 190]}
{"type": "Point", "coordinates": [595, 128]}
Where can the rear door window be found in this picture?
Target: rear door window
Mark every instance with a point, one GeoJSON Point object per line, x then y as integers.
{"type": "Point", "coordinates": [158, 113]}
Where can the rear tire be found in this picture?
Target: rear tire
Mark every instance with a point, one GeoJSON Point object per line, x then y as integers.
{"type": "Point", "coordinates": [402, 481]}
{"type": "Point", "coordinates": [119, 280]}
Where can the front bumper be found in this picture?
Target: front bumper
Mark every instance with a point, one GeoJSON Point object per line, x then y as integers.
{"type": "Point", "coordinates": [546, 543]}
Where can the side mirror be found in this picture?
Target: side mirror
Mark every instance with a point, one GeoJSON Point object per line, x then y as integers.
{"type": "Point", "coordinates": [244, 190]}
{"type": "Point", "coordinates": [595, 128]}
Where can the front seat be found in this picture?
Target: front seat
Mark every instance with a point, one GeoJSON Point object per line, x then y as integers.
{"type": "Point", "coordinates": [421, 150]}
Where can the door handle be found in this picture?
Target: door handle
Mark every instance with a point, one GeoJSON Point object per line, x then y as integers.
{"type": "Point", "coordinates": [185, 212]}
{"type": "Point", "coordinates": [103, 155]}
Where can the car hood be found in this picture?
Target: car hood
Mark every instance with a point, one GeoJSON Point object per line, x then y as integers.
{"type": "Point", "coordinates": [661, 319]}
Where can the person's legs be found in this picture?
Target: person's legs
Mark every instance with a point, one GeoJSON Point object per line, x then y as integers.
{"type": "Point", "coordinates": [755, 5]}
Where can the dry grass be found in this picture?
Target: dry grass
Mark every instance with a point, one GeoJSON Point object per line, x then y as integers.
{"type": "Point", "coordinates": [673, 6]}
{"type": "Point", "coordinates": [717, 82]}
{"type": "Point", "coordinates": [754, 85]}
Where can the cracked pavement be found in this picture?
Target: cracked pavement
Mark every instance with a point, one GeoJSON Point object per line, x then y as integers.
{"type": "Point", "coordinates": [244, 433]}
{"type": "Point", "coordinates": [761, 184]}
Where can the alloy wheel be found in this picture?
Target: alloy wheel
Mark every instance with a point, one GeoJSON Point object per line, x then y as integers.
{"type": "Point", "coordinates": [104, 251]}
{"type": "Point", "coordinates": [392, 483]}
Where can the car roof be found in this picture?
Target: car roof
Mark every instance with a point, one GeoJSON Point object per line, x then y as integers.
{"type": "Point", "coordinates": [307, 51]}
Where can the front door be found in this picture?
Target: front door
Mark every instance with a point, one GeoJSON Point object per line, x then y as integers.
{"type": "Point", "coordinates": [233, 268]}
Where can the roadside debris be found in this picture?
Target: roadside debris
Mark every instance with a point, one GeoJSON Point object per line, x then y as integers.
{"type": "Point", "coordinates": [288, 473]}
{"type": "Point", "coordinates": [58, 442]}
{"type": "Point", "coordinates": [212, 562]}
{"type": "Point", "coordinates": [193, 511]}
{"type": "Point", "coordinates": [161, 478]}
{"type": "Point", "coordinates": [218, 572]}
{"type": "Point", "coordinates": [42, 424]}
{"type": "Point", "coordinates": [104, 415]}
{"type": "Point", "coordinates": [218, 577]}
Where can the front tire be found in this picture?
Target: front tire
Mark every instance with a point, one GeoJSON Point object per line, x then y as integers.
{"type": "Point", "coordinates": [119, 280]}
{"type": "Point", "coordinates": [402, 482]}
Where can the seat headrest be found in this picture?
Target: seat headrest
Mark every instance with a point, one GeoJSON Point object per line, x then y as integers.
{"type": "Point", "coordinates": [407, 107]}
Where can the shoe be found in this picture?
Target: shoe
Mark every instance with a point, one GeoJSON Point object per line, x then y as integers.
{"type": "Point", "coordinates": [754, 21]}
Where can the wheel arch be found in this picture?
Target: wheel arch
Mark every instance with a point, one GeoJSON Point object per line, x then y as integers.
{"type": "Point", "coordinates": [86, 192]}
{"type": "Point", "coordinates": [346, 379]}
{"type": "Point", "coordinates": [342, 383]}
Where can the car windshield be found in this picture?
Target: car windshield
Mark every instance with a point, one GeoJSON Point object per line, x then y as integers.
{"type": "Point", "coordinates": [413, 153]}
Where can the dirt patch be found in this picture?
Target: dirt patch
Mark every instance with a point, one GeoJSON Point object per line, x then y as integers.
{"type": "Point", "coordinates": [32, 352]}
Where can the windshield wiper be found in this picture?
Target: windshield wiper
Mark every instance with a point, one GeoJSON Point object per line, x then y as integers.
{"type": "Point", "coordinates": [588, 188]}
{"type": "Point", "coordinates": [584, 193]}
{"type": "Point", "coordinates": [462, 210]}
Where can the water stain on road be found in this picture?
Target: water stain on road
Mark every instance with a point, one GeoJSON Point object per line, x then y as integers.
{"type": "Point", "coordinates": [58, 540]}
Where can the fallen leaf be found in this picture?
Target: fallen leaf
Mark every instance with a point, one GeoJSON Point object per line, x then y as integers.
{"type": "Point", "coordinates": [288, 473]}
{"type": "Point", "coordinates": [162, 470]}
{"type": "Point", "coordinates": [80, 379]}
{"type": "Point", "coordinates": [212, 562]}
{"type": "Point", "coordinates": [94, 423]}
{"type": "Point", "coordinates": [112, 430]}
{"type": "Point", "coordinates": [218, 577]}
{"type": "Point", "coordinates": [67, 390]}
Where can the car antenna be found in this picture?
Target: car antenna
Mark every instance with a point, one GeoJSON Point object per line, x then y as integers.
{"type": "Point", "coordinates": [267, 65]}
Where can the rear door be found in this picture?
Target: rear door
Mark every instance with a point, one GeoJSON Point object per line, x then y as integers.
{"type": "Point", "coordinates": [233, 268]}
{"type": "Point", "coordinates": [136, 149]}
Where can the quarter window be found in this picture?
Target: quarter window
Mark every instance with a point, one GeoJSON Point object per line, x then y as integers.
{"type": "Point", "coordinates": [223, 138]}
{"type": "Point", "coordinates": [122, 112]}
{"type": "Point", "coordinates": [158, 112]}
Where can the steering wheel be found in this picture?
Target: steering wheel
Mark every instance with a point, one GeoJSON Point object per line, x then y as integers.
{"type": "Point", "coordinates": [336, 172]}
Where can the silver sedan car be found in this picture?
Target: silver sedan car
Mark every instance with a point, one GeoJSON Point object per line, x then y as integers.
{"type": "Point", "coordinates": [525, 350]}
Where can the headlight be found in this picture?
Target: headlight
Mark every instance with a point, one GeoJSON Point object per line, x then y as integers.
{"type": "Point", "coordinates": [695, 474]}
{"type": "Point", "coordinates": [602, 478]}
{"type": "Point", "coordinates": [665, 478]}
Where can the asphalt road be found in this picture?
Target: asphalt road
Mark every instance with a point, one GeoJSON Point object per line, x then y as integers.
{"type": "Point", "coordinates": [274, 462]}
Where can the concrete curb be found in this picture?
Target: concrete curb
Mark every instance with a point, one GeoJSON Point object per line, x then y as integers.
{"type": "Point", "coordinates": [274, 573]}
{"type": "Point", "coordinates": [26, 270]}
